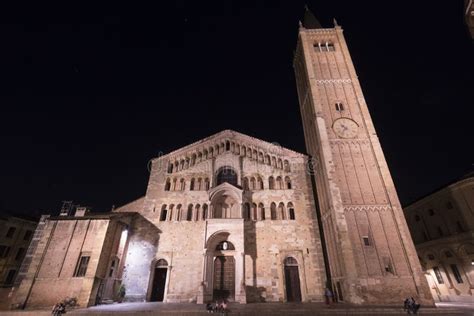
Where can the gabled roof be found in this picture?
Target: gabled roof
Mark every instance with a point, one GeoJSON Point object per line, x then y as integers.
{"type": "Point", "coordinates": [235, 136]}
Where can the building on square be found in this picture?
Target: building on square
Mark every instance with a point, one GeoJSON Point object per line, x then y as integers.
{"type": "Point", "coordinates": [442, 227]}
{"type": "Point", "coordinates": [235, 217]}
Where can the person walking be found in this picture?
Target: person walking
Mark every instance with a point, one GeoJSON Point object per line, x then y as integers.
{"type": "Point", "coordinates": [328, 294]}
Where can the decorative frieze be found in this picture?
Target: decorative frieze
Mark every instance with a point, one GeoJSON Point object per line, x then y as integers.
{"type": "Point", "coordinates": [367, 207]}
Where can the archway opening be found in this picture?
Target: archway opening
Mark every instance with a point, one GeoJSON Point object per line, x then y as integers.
{"type": "Point", "coordinates": [159, 281]}
{"type": "Point", "coordinates": [224, 278]}
{"type": "Point", "coordinates": [292, 280]}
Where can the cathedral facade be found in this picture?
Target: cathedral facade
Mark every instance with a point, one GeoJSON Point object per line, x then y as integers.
{"type": "Point", "coordinates": [235, 217]}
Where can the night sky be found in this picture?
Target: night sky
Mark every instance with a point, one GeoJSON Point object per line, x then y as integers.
{"type": "Point", "coordinates": [89, 94]}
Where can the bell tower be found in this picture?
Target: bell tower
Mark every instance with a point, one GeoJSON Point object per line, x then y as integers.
{"type": "Point", "coordinates": [372, 259]}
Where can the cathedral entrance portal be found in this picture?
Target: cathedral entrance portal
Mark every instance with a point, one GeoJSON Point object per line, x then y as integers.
{"type": "Point", "coordinates": [292, 280]}
{"type": "Point", "coordinates": [159, 281]}
{"type": "Point", "coordinates": [224, 278]}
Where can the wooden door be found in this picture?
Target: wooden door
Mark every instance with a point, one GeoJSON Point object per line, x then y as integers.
{"type": "Point", "coordinates": [292, 282]}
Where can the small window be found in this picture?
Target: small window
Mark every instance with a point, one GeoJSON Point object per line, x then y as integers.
{"type": "Point", "coordinates": [27, 236]}
{"type": "Point", "coordinates": [431, 212]}
{"type": "Point", "coordinates": [366, 240]}
{"type": "Point", "coordinates": [339, 107]}
{"type": "Point", "coordinates": [164, 213]}
{"type": "Point", "coordinates": [292, 213]}
{"type": "Point", "coordinates": [81, 268]}
{"type": "Point", "coordinates": [4, 251]}
{"type": "Point", "coordinates": [456, 273]}
{"type": "Point", "coordinates": [10, 232]}
{"type": "Point", "coordinates": [438, 275]}
{"type": "Point", "coordinates": [10, 277]}
{"type": "Point", "coordinates": [19, 254]}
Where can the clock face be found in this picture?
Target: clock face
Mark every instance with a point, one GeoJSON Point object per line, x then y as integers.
{"type": "Point", "coordinates": [345, 127]}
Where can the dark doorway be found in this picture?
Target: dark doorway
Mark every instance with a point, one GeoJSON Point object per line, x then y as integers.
{"type": "Point", "coordinates": [159, 281]}
{"type": "Point", "coordinates": [224, 278]}
{"type": "Point", "coordinates": [226, 174]}
{"type": "Point", "coordinates": [292, 280]}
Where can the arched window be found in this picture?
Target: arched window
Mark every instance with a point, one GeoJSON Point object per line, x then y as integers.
{"type": "Point", "coordinates": [247, 211]}
{"type": "Point", "coordinates": [273, 211]}
{"type": "Point", "coordinates": [170, 167]}
{"type": "Point", "coordinates": [267, 160]}
{"type": "Point", "coordinates": [261, 210]}
{"type": "Point", "coordinates": [168, 184]}
{"type": "Point", "coordinates": [286, 165]}
{"type": "Point", "coordinates": [211, 152]}
{"type": "Point", "coordinates": [226, 174]}
{"type": "Point", "coordinates": [164, 213]}
{"type": "Point", "coordinates": [206, 184]}
{"type": "Point", "coordinates": [191, 185]}
{"type": "Point", "coordinates": [174, 184]}
{"type": "Point", "coordinates": [249, 152]}
{"type": "Point", "coordinates": [282, 211]}
{"type": "Point", "coordinates": [254, 211]}
{"type": "Point", "coordinates": [253, 185]}
{"type": "Point", "coordinates": [189, 215]}
{"type": "Point", "coordinates": [227, 145]}
{"type": "Point", "coordinates": [259, 183]}
{"type": "Point", "coordinates": [280, 164]}
{"type": "Point", "coordinates": [274, 162]}
{"type": "Point", "coordinates": [291, 211]}
{"type": "Point", "coordinates": [244, 151]}
{"type": "Point", "coordinates": [196, 213]}
{"type": "Point", "coordinates": [179, 216]}
{"type": "Point", "coordinates": [199, 184]}
{"type": "Point", "coordinates": [181, 164]}
{"type": "Point", "coordinates": [204, 212]}
{"type": "Point", "coordinates": [255, 155]}
{"type": "Point", "coordinates": [170, 217]}
{"type": "Point", "coordinates": [237, 150]}
{"type": "Point", "coordinates": [246, 184]}
{"type": "Point", "coordinates": [271, 183]}
{"type": "Point", "coordinates": [186, 163]}
{"type": "Point", "coordinates": [182, 184]}
{"type": "Point", "coordinates": [204, 154]}
{"type": "Point", "coordinates": [287, 183]}
{"type": "Point", "coordinates": [199, 157]}
{"type": "Point", "coordinates": [279, 182]}
{"type": "Point", "coordinates": [193, 160]}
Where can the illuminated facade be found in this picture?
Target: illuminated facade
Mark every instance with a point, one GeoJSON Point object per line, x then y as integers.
{"type": "Point", "coordinates": [235, 217]}
{"type": "Point", "coordinates": [442, 226]}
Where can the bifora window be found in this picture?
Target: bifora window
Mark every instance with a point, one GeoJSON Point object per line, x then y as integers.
{"type": "Point", "coordinates": [82, 264]}
{"type": "Point", "coordinates": [226, 174]}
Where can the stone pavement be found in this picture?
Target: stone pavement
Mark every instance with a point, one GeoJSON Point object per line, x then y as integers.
{"type": "Point", "coordinates": [251, 310]}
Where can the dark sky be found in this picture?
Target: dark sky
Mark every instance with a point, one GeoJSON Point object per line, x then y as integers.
{"type": "Point", "coordinates": [89, 94]}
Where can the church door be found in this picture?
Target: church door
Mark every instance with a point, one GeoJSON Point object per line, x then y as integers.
{"type": "Point", "coordinates": [224, 277]}
{"type": "Point", "coordinates": [159, 281]}
{"type": "Point", "coordinates": [292, 280]}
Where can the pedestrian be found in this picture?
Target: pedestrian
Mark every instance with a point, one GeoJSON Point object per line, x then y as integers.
{"type": "Point", "coordinates": [328, 295]}
{"type": "Point", "coordinates": [209, 308]}
{"type": "Point", "coordinates": [59, 309]}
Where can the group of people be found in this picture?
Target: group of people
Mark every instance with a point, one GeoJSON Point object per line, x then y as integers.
{"type": "Point", "coordinates": [411, 306]}
{"type": "Point", "coordinates": [59, 309]}
{"type": "Point", "coordinates": [220, 306]}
